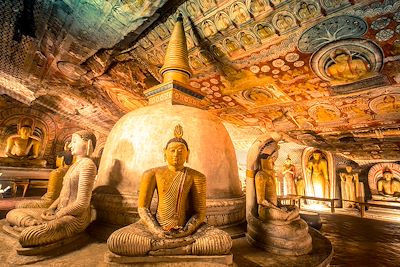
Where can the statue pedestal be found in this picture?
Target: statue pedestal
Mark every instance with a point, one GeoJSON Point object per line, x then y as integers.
{"type": "Point", "coordinates": [23, 176]}
{"type": "Point", "coordinates": [179, 260]}
{"type": "Point", "coordinates": [25, 163]}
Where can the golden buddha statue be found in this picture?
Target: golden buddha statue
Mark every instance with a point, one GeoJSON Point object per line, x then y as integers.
{"type": "Point", "coordinates": [275, 228]}
{"type": "Point", "coordinates": [70, 212]}
{"type": "Point", "coordinates": [178, 226]}
{"type": "Point", "coordinates": [388, 185]}
{"type": "Point", "coordinates": [317, 170]}
{"type": "Point", "coordinates": [63, 161]}
{"type": "Point", "coordinates": [349, 186]}
{"type": "Point", "coordinates": [22, 150]}
{"type": "Point", "coordinates": [300, 187]}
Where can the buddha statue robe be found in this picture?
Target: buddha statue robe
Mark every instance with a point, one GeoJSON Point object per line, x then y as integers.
{"type": "Point", "coordinates": [70, 212]}
{"type": "Point", "coordinates": [178, 226]}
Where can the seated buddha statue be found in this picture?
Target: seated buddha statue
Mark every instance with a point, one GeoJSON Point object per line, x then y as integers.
{"type": "Point", "coordinates": [178, 226]}
{"type": "Point", "coordinates": [54, 185]}
{"type": "Point", "coordinates": [70, 212]}
{"type": "Point", "coordinates": [22, 150]}
{"type": "Point", "coordinates": [275, 228]}
{"type": "Point", "coordinates": [388, 185]}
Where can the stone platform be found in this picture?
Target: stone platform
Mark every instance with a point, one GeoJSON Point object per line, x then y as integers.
{"type": "Point", "coordinates": [90, 252]}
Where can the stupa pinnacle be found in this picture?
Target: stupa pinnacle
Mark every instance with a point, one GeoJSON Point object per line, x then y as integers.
{"type": "Point", "coordinates": [175, 88]}
{"type": "Point", "coordinates": [176, 63]}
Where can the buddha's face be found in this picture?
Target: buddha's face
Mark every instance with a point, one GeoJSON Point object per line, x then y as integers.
{"type": "Point", "coordinates": [316, 155]}
{"type": "Point", "coordinates": [387, 176]}
{"type": "Point", "coordinates": [78, 145]}
{"type": "Point", "coordinates": [288, 161]}
{"type": "Point", "coordinates": [176, 154]}
{"type": "Point", "coordinates": [349, 169]}
{"type": "Point", "coordinates": [25, 132]}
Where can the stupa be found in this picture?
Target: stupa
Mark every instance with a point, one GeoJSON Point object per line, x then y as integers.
{"type": "Point", "coordinates": [136, 144]}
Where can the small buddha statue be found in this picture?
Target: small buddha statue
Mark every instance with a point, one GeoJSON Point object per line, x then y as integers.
{"type": "Point", "coordinates": [388, 185]}
{"type": "Point", "coordinates": [275, 228]}
{"type": "Point", "coordinates": [317, 171]}
{"type": "Point", "coordinates": [22, 150]}
{"type": "Point", "coordinates": [178, 226]}
{"type": "Point", "coordinates": [349, 182]}
{"type": "Point", "coordinates": [70, 212]}
{"type": "Point", "coordinates": [63, 161]}
{"type": "Point", "coordinates": [288, 172]}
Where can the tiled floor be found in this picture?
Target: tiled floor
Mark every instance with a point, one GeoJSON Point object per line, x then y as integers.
{"type": "Point", "coordinates": [362, 242]}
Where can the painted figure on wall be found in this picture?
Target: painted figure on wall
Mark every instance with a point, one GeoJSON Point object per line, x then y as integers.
{"type": "Point", "coordinates": [178, 226]}
{"type": "Point", "coordinates": [70, 213]}
{"type": "Point", "coordinates": [388, 185]}
{"type": "Point", "coordinates": [264, 31]}
{"type": "Point", "coordinates": [222, 21]}
{"type": "Point", "coordinates": [288, 172]}
{"type": "Point", "coordinates": [239, 14]}
{"type": "Point", "coordinates": [349, 186]}
{"type": "Point", "coordinates": [345, 68]}
{"type": "Point", "coordinates": [317, 172]}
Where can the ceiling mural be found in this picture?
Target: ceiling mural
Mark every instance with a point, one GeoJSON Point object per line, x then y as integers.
{"type": "Point", "coordinates": [323, 73]}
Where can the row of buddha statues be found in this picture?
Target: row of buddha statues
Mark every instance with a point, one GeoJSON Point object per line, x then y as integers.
{"type": "Point", "coordinates": [319, 182]}
{"type": "Point", "coordinates": [177, 227]}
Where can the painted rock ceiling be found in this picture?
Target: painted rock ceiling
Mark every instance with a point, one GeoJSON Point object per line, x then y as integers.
{"type": "Point", "coordinates": [322, 73]}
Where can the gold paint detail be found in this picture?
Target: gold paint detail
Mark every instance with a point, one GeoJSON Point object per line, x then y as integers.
{"type": "Point", "coordinates": [176, 62]}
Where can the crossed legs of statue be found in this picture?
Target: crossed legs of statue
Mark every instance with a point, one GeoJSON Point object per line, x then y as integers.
{"type": "Point", "coordinates": [136, 240]}
{"type": "Point", "coordinates": [37, 232]}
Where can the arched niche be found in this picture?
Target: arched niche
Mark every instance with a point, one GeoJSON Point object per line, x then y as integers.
{"type": "Point", "coordinates": [305, 158]}
{"type": "Point", "coordinates": [44, 128]}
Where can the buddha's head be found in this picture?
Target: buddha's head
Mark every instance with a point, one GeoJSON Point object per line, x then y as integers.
{"type": "Point", "coordinates": [25, 132]}
{"type": "Point", "coordinates": [387, 174]}
{"type": "Point", "coordinates": [349, 169]}
{"type": "Point", "coordinates": [288, 160]}
{"type": "Point", "coordinates": [176, 152]}
{"type": "Point", "coordinates": [341, 55]}
{"type": "Point", "coordinates": [82, 143]}
{"type": "Point", "coordinates": [317, 154]}
{"type": "Point", "coordinates": [269, 153]}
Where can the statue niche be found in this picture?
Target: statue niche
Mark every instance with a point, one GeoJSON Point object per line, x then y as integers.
{"type": "Point", "coordinates": [384, 182]}
{"type": "Point", "coordinates": [178, 226]}
{"type": "Point", "coordinates": [275, 228]}
{"type": "Point", "coordinates": [318, 170]}
{"type": "Point", "coordinates": [352, 189]}
{"type": "Point", "coordinates": [22, 149]}
{"type": "Point", "coordinates": [70, 213]}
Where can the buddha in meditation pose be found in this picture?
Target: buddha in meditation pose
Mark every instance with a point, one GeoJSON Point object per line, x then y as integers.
{"type": "Point", "coordinates": [278, 229]}
{"type": "Point", "coordinates": [63, 161]}
{"type": "Point", "coordinates": [178, 226]}
{"type": "Point", "coordinates": [70, 212]}
{"type": "Point", "coordinates": [23, 148]}
{"type": "Point", "coordinates": [388, 185]}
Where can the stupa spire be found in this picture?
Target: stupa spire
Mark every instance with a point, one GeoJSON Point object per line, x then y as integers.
{"type": "Point", "coordinates": [176, 63]}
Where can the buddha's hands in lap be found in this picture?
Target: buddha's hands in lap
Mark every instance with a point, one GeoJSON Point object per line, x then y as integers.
{"type": "Point", "coordinates": [32, 222]}
{"type": "Point", "coordinates": [49, 215]}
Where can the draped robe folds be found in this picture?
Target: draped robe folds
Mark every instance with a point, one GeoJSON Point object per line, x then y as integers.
{"type": "Point", "coordinates": [72, 209]}
{"type": "Point", "coordinates": [180, 197]}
